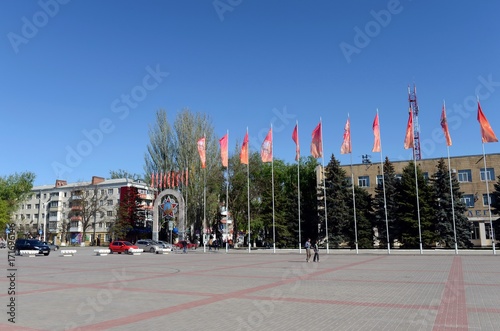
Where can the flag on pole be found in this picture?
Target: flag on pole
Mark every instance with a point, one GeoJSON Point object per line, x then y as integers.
{"type": "Point", "coordinates": [487, 133]}
{"type": "Point", "coordinates": [152, 179]}
{"type": "Point", "coordinates": [244, 150]}
{"type": "Point", "coordinates": [156, 180]}
{"type": "Point", "coordinates": [201, 151]}
{"type": "Point", "coordinates": [223, 150]}
{"type": "Point", "coordinates": [444, 125]}
{"type": "Point", "coordinates": [186, 178]}
{"type": "Point", "coordinates": [161, 180]}
{"type": "Point", "coordinates": [295, 137]}
{"type": "Point", "coordinates": [266, 150]}
{"type": "Point", "coordinates": [346, 144]}
{"type": "Point", "coordinates": [316, 145]}
{"type": "Point", "coordinates": [376, 134]}
{"type": "Point", "coordinates": [409, 132]}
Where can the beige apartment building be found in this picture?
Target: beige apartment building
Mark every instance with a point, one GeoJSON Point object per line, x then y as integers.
{"type": "Point", "coordinates": [471, 174]}
{"type": "Point", "coordinates": [51, 212]}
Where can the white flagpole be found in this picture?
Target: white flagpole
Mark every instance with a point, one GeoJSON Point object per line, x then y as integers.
{"type": "Point", "coordinates": [452, 202]}
{"type": "Point", "coordinates": [324, 190]}
{"type": "Point", "coordinates": [272, 186]}
{"type": "Point", "coordinates": [298, 188]}
{"type": "Point", "coordinates": [205, 200]}
{"type": "Point", "coordinates": [385, 198]}
{"type": "Point", "coordinates": [353, 194]}
{"type": "Point", "coordinates": [416, 190]}
{"type": "Point", "coordinates": [492, 234]}
{"type": "Point", "coordinates": [227, 196]}
{"type": "Point", "coordinates": [248, 193]}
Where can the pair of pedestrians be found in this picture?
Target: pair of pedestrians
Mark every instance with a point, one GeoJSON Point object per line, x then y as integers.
{"type": "Point", "coordinates": [315, 248]}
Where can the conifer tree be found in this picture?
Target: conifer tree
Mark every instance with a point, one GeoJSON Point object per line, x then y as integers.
{"type": "Point", "coordinates": [391, 187]}
{"type": "Point", "coordinates": [444, 211]}
{"type": "Point", "coordinates": [338, 199]}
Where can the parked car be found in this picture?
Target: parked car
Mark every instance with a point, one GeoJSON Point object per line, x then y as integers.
{"type": "Point", "coordinates": [165, 245]}
{"type": "Point", "coordinates": [31, 244]}
{"type": "Point", "coordinates": [51, 246]}
{"type": "Point", "coordinates": [121, 246]}
{"type": "Point", "coordinates": [149, 245]}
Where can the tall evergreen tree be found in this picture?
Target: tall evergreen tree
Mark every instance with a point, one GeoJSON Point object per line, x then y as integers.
{"type": "Point", "coordinates": [364, 219]}
{"type": "Point", "coordinates": [495, 207]}
{"type": "Point", "coordinates": [338, 194]}
{"type": "Point", "coordinates": [407, 215]}
{"type": "Point", "coordinates": [391, 189]}
{"type": "Point", "coordinates": [444, 211]}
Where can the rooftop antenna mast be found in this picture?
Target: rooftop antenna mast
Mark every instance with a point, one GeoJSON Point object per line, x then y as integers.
{"type": "Point", "coordinates": [412, 99]}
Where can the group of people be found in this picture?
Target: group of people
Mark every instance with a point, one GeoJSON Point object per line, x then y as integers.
{"type": "Point", "coordinates": [314, 246]}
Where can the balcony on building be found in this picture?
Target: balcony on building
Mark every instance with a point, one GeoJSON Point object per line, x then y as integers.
{"type": "Point", "coordinates": [78, 228]}
{"type": "Point", "coordinates": [76, 218]}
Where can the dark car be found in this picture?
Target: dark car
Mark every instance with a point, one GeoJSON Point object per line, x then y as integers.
{"type": "Point", "coordinates": [31, 244]}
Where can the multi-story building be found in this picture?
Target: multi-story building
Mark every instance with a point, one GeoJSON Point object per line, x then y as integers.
{"type": "Point", "coordinates": [57, 212]}
{"type": "Point", "coordinates": [471, 175]}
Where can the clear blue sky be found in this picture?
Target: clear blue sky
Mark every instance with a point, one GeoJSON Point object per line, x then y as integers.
{"type": "Point", "coordinates": [66, 65]}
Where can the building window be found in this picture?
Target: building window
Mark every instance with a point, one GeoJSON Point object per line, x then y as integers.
{"type": "Point", "coordinates": [379, 180]}
{"type": "Point", "coordinates": [45, 195]}
{"type": "Point", "coordinates": [36, 216]}
{"type": "Point", "coordinates": [348, 181]}
{"type": "Point", "coordinates": [110, 202]}
{"type": "Point", "coordinates": [65, 194]}
{"type": "Point", "coordinates": [53, 203]}
{"type": "Point", "coordinates": [38, 196]}
{"type": "Point", "coordinates": [486, 199]}
{"type": "Point", "coordinates": [426, 176]}
{"type": "Point", "coordinates": [28, 206]}
{"type": "Point", "coordinates": [37, 206]}
{"type": "Point", "coordinates": [110, 191]}
{"type": "Point", "coordinates": [54, 194]}
{"type": "Point", "coordinates": [465, 176]}
{"type": "Point", "coordinates": [101, 203]}
{"type": "Point", "coordinates": [468, 200]}
{"type": "Point", "coordinates": [364, 181]}
{"type": "Point", "coordinates": [490, 174]}
{"type": "Point", "coordinates": [109, 213]}
{"type": "Point", "coordinates": [474, 233]}
{"type": "Point", "coordinates": [399, 177]}
{"type": "Point", "coordinates": [28, 216]}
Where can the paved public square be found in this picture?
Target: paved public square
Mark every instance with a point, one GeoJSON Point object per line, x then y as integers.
{"type": "Point", "coordinates": [260, 290]}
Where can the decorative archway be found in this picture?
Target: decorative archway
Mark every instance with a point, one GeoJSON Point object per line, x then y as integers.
{"type": "Point", "coordinates": [160, 200]}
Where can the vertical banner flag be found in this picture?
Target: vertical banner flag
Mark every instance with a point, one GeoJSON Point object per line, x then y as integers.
{"type": "Point", "coordinates": [244, 150]}
{"type": "Point", "coordinates": [295, 137]}
{"type": "Point", "coordinates": [409, 132]}
{"type": "Point", "coordinates": [161, 180]}
{"type": "Point", "coordinates": [316, 148]}
{"type": "Point", "coordinates": [223, 150]}
{"type": "Point", "coordinates": [152, 179]}
{"type": "Point", "coordinates": [266, 150]}
{"type": "Point", "coordinates": [376, 134]}
{"type": "Point", "coordinates": [346, 144]}
{"type": "Point", "coordinates": [444, 125]}
{"type": "Point", "coordinates": [201, 151]}
{"type": "Point", "coordinates": [487, 133]}
{"type": "Point", "coordinates": [186, 179]}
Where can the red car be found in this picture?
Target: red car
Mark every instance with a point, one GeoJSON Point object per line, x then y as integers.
{"type": "Point", "coordinates": [121, 246]}
{"type": "Point", "coordinates": [189, 245]}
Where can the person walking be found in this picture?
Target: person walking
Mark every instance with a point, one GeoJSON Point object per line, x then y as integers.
{"type": "Point", "coordinates": [316, 252]}
{"type": "Point", "coordinates": [308, 250]}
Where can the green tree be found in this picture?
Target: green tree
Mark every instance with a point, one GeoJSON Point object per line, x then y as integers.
{"type": "Point", "coordinates": [338, 201]}
{"type": "Point", "coordinates": [409, 209]}
{"type": "Point", "coordinates": [120, 173]}
{"type": "Point", "coordinates": [495, 207]}
{"type": "Point", "coordinates": [388, 201]}
{"type": "Point", "coordinates": [364, 219]}
{"type": "Point", "coordinates": [444, 215]}
{"type": "Point", "coordinates": [13, 190]}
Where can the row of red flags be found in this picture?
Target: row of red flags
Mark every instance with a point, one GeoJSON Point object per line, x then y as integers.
{"type": "Point", "coordinates": [266, 151]}
{"type": "Point", "coordinates": [171, 179]}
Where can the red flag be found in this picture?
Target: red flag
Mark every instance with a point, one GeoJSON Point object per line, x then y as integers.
{"type": "Point", "coordinates": [152, 179]}
{"type": "Point", "coordinates": [223, 150]}
{"type": "Point", "coordinates": [487, 133]}
{"type": "Point", "coordinates": [244, 150]}
{"type": "Point", "coordinates": [376, 134]}
{"type": "Point", "coordinates": [186, 177]}
{"type": "Point", "coordinates": [161, 180]}
{"type": "Point", "coordinates": [444, 125]}
{"type": "Point", "coordinates": [266, 150]}
{"type": "Point", "coordinates": [201, 151]}
{"type": "Point", "coordinates": [165, 180]}
{"type": "Point", "coordinates": [178, 179]}
{"type": "Point", "coordinates": [168, 180]}
{"type": "Point", "coordinates": [316, 145]}
{"type": "Point", "coordinates": [409, 132]}
{"type": "Point", "coordinates": [156, 185]}
{"type": "Point", "coordinates": [346, 144]}
{"type": "Point", "coordinates": [295, 137]}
